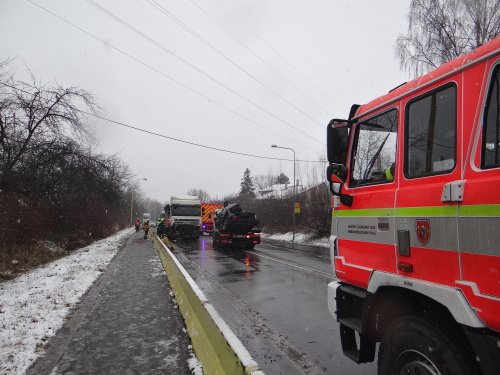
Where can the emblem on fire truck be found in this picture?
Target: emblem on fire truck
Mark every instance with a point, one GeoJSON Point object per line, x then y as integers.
{"type": "Point", "coordinates": [423, 231]}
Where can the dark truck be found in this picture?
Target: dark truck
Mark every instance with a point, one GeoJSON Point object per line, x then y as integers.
{"type": "Point", "coordinates": [235, 227]}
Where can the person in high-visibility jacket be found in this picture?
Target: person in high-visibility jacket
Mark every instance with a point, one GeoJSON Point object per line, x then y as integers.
{"type": "Point", "coordinates": [161, 228]}
{"type": "Point", "coordinates": [389, 172]}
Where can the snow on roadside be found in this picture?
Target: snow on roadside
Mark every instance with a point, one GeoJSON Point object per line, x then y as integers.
{"type": "Point", "coordinates": [301, 238]}
{"type": "Point", "coordinates": [34, 305]}
{"type": "Point", "coordinates": [193, 363]}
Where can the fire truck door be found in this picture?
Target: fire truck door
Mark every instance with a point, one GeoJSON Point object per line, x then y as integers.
{"type": "Point", "coordinates": [479, 213]}
{"type": "Point", "coordinates": [426, 226]}
{"type": "Point", "coordinates": [365, 231]}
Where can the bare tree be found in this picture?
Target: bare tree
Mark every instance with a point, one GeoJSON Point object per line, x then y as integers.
{"type": "Point", "coordinates": [34, 118]}
{"type": "Point", "coordinates": [441, 30]}
{"type": "Point", "coordinates": [200, 193]}
{"type": "Point", "coordinates": [153, 206]}
{"type": "Point", "coordinates": [51, 183]}
{"type": "Point", "coordinates": [263, 181]}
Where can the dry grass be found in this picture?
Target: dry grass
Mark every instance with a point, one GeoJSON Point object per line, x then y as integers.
{"type": "Point", "coordinates": [20, 258]}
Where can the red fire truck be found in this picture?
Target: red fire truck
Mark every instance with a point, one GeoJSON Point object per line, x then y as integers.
{"type": "Point", "coordinates": [415, 240]}
{"type": "Point", "coordinates": [208, 216]}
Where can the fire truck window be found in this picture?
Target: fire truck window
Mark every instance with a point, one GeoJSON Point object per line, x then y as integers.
{"type": "Point", "coordinates": [375, 150]}
{"type": "Point", "coordinates": [431, 134]}
{"type": "Point", "coordinates": [491, 137]}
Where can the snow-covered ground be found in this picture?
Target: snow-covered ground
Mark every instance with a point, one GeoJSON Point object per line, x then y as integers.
{"type": "Point", "coordinates": [301, 238]}
{"type": "Point", "coordinates": [34, 305]}
{"type": "Point", "coordinates": [193, 363]}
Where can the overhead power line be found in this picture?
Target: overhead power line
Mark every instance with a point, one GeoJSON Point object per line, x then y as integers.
{"type": "Point", "coordinates": [169, 137]}
{"type": "Point", "coordinates": [260, 58]}
{"type": "Point", "coordinates": [304, 76]}
{"type": "Point", "coordinates": [196, 68]}
{"type": "Point", "coordinates": [194, 143]}
{"type": "Point", "coordinates": [212, 100]}
{"type": "Point", "coordinates": [170, 15]}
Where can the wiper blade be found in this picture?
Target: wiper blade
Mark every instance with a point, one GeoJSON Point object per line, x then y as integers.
{"type": "Point", "coordinates": [374, 157]}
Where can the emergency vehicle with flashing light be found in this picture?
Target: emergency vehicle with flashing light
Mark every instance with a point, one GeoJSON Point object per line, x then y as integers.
{"type": "Point", "coordinates": [208, 216]}
{"type": "Point", "coordinates": [415, 233]}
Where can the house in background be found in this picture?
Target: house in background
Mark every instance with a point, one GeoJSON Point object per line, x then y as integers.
{"type": "Point", "coordinates": [279, 191]}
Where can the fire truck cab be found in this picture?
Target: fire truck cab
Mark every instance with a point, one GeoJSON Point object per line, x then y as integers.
{"type": "Point", "coordinates": [415, 237]}
{"type": "Point", "coordinates": [208, 216]}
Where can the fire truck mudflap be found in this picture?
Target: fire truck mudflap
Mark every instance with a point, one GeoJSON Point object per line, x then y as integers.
{"type": "Point", "coordinates": [415, 241]}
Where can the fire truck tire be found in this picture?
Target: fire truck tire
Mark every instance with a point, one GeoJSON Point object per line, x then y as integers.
{"type": "Point", "coordinates": [412, 345]}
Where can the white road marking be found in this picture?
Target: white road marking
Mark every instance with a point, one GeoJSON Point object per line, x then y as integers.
{"type": "Point", "coordinates": [329, 275]}
{"type": "Point", "coordinates": [294, 251]}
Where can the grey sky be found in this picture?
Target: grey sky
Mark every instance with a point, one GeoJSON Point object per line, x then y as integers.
{"type": "Point", "coordinates": [344, 48]}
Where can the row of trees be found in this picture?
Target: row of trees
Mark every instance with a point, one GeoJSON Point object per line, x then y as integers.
{"type": "Point", "coordinates": [275, 214]}
{"type": "Point", "coordinates": [248, 186]}
{"type": "Point", "coordinates": [53, 186]}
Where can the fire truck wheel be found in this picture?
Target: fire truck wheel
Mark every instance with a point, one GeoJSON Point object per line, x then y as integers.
{"type": "Point", "coordinates": [412, 345]}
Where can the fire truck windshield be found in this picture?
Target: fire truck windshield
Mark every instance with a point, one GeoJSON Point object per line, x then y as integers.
{"type": "Point", "coordinates": [181, 210]}
{"type": "Point", "coordinates": [375, 149]}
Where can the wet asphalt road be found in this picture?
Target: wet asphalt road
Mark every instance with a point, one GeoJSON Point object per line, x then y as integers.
{"type": "Point", "coordinates": [274, 299]}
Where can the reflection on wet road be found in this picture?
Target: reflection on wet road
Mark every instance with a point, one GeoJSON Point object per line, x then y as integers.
{"type": "Point", "coordinates": [274, 299]}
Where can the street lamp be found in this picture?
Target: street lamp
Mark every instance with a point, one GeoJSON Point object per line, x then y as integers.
{"type": "Point", "coordinates": [132, 200]}
{"type": "Point", "coordinates": [294, 187]}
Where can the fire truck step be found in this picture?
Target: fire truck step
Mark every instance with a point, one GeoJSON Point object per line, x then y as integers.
{"type": "Point", "coordinates": [351, 322]}
{"type": "Point", "coordinates": [355, 291]}
{"type": "Point", "coordinates": [366, 351]}
{"type": "Point", "coordinates": [353, 355]}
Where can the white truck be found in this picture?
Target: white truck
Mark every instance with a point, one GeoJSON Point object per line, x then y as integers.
{"type": "Point", "coordinates": [146, 216]}
{"type": "Point", "coordinates": [183, 217]}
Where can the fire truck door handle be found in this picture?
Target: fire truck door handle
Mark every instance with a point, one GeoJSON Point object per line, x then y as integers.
{"type": "Point", "coordinates": [404, 242]}
{"type": "Point", "coordinates": [453, 191]}
{"type": "Point", "coordinates": [405, 267]}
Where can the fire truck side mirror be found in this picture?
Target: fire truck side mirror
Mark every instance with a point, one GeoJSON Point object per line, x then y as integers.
{"type": "Point", "coordinates": [337, 139]}
{"type": "Point", "coordinates": [337, 142]}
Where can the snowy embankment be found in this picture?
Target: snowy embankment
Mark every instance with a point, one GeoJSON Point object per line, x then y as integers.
{"type": "Point", "coordinates": [301, 238]}
{"type": "Point", "coordinates": [34, 305]}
